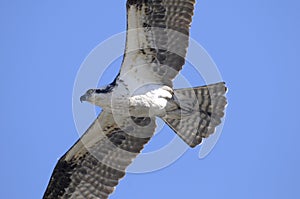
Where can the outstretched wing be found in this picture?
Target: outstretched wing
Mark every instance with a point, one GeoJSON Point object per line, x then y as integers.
{"type": "Point", "coordinates": [157, 39]}
{"type": "Point", "coordinates": [94, 165]}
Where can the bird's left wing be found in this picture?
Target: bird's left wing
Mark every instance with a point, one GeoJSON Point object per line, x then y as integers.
{"type": "Point", "coordinates": [94, 165]}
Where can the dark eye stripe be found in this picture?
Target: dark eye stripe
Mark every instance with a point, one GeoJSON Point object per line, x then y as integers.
{"type": "Point", "coordinates": [99, 91]}
{"type": "Point", "coordinates": [108, 88]}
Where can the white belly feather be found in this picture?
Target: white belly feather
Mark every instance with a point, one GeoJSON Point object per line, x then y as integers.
{"type": "Point", "coordinates": [151, 103]}
{"type": "Point", "coordinates": [147, 101]}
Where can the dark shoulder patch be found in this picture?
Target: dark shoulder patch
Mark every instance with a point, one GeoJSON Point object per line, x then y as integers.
{"type": "Point", "coordinates": [117, 137]}
{"type": "Point", "coordinates": [141, 121]}
{"type": "Point", "coordinates": [128, 141]}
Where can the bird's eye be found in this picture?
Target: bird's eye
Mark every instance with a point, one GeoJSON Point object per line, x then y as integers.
{"type": "Point", "coordinates": [90, 91]}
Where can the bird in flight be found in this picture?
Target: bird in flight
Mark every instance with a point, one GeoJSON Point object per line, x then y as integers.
{"type": "Point", "coordinates": [156, 45]}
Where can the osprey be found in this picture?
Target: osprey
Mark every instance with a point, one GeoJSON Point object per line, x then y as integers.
{"type": "Point", "coordinates": [156, 45]}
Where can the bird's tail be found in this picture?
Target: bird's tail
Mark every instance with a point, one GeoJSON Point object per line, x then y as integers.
{"type": "Point", "coordinates": [194, 113]}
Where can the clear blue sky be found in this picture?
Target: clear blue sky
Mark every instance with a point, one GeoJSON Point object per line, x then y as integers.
{"type": "Point", "coordinates": [256, 46]}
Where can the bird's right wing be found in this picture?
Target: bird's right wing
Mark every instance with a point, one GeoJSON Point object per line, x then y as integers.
{"type": "Point", "coordinates": [94, 165]}
{"type": "Point", "coordinates": [157, 39]}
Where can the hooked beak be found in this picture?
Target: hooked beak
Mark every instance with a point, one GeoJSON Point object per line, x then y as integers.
{"type": "Point", "coordinates": [83, 98]}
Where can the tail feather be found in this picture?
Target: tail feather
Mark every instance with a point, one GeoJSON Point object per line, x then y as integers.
{"type": "Point", "coordinates": [198, 112]}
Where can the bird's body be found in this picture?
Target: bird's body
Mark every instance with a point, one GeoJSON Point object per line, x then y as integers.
{"type": "Point", "coordinates": [156, 45]}
{"type": "Point", "coordinates": [148, 100]}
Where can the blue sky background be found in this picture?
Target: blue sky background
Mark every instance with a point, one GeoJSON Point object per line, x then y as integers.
{"type": "Point", "coordinates": [256, 47]}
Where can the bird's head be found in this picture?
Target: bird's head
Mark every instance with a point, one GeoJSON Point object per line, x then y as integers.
{"type": "Point", "coordinates": [95, 96]}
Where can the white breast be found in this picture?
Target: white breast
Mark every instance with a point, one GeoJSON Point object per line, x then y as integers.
{"type": "Point", "coordinates": [149, 100]}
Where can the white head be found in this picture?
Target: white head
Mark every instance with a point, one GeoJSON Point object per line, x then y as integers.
{"type": "Point", "coordinates": [99, 97]}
